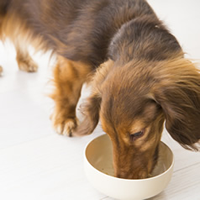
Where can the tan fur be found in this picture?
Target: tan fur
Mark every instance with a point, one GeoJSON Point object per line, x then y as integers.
{"type": "Point", "coordinates": [1, 70]}
{"type": "Point", "coordinates": [68, 79]}
{"type": "Point", "coordinates": [15, 30]}
{"type": "Point", "coordinates": [22, 36]}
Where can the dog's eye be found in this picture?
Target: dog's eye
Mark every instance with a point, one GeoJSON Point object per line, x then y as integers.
{"type": "Point", "coordinates": [136, 135]}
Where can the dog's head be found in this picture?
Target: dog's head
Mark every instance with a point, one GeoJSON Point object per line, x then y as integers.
{"type": "Point", "coordinates": [133, 102]}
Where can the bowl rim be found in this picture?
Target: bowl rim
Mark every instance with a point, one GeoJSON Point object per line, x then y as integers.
{"type": "Point", "coordinates": [123, 179]}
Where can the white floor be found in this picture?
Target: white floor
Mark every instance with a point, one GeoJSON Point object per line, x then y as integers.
{"type": "Point", "coordinates": [36, 163]}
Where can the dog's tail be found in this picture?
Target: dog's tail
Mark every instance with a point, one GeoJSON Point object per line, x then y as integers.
{"type": "Point", "coordinates": [4, 4]}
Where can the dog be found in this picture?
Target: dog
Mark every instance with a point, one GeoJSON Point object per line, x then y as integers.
{"type": "Point", "coordinates": [140, 78]}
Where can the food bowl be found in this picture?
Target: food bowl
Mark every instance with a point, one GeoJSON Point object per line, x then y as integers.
{"type": "Point", "coordinates": [100, 173]}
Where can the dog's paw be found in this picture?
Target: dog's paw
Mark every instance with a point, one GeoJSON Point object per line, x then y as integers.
{"type": "Point", "coordinates": [65, 127]}
{"type": "Point", "coordinates": [1, 70]}
{"type": "Point", "coordinates": [27, 65]}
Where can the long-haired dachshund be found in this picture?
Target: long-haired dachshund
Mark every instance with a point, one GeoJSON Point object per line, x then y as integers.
{"type": "Point", "coordinates": [140, 76]}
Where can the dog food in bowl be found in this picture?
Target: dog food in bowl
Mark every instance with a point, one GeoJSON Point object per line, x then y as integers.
{"type": "Point", "coordinates": [100, 173]}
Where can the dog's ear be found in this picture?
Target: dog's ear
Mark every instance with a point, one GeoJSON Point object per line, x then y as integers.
{"type": "Point", "coordinates": [179, 96]}
{"type": "Point", "coordinates": [91, 107]}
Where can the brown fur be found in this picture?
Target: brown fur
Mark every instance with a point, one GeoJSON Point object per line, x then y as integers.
{"type": "Point", "coordinates": [163, 90]}
{"type": "Point", "coordinates": [142, 78]}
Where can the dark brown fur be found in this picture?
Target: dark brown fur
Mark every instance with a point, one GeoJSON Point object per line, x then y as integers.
{"type": "Point", "coordinates": [143, 78]}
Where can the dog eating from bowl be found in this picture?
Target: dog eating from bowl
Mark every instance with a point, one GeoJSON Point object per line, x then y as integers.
{"type": "Point", "coordinates": [140, 78]}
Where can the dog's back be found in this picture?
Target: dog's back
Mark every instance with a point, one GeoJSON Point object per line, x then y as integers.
{"type": "Point", "coordinates": [76, 29]}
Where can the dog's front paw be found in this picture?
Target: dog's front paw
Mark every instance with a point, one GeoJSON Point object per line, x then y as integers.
{"type": "Point", "coordinates": [64, 126]}
{"type": "Point", "coordinates": [1, 70]}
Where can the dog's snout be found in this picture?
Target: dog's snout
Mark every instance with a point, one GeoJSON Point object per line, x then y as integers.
{"type": "Point", "coordinates": [132, 174]}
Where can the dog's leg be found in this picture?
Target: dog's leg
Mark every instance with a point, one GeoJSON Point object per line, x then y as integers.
{"type": "Point", "coordinates": [25, 62]}
{"type": "Point", "coordinates": [69, 77]}
{"type": "Point", "coordinates": [1, 70]}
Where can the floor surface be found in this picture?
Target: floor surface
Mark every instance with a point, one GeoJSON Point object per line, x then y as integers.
{"type": "Point", "coordinates": [36, 163]}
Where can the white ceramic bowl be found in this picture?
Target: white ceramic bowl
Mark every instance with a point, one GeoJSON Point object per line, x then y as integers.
{"type": "Point", "coordinates": [99, 171]}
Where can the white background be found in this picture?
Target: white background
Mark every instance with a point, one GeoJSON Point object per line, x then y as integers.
{"type": "Point", "coordinates": [36, 163]}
